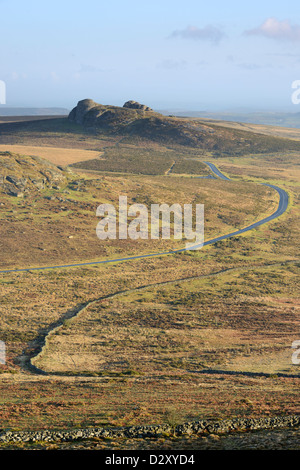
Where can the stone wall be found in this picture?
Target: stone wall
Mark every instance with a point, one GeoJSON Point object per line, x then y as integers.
{"type": "Point", "coordinates": [198, 427]}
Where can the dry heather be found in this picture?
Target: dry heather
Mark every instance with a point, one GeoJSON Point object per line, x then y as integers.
{"type": "Point", "coordinates": [202, 334]}
{"type": "Point", "coordinates": [58, 225]}
{"type": "Point", "coordinates": [58, 156]}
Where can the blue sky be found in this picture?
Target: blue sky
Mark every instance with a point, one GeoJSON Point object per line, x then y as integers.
{"type": "Point", "coordinates": [191, 55]}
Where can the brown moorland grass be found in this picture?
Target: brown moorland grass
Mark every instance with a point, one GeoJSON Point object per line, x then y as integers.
{"type": "Point", "coordinates": [29, 402]}
{"type": "Point", "coordinates": [147, 160]}
{"type": "Point", "coordinates": [58, 226]}
{"type": "Point", "coordinates": [58, 156]}
{"type": "Point", "coordinates": [219, 395]}
{"type": "Point", "coordinates": [275, 131]}
{"type": "Point", "coordinates": [183, 326]}
{"type": "Point", "coordinates": [178, 341]}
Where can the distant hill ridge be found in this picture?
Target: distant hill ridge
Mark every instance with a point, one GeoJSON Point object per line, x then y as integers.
{"type": "Point", "coordinates": [11, 111]}
{"type": "Point", "coordinates": [135, 122]}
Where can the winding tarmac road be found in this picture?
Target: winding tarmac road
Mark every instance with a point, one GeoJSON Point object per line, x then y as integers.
{"type": "Point", "coordinates": [282, 206]}
{"type": "Point", "coordinates": [216, 171]}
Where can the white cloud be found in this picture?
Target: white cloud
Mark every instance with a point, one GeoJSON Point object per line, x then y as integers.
{"type": "Point", "coordinates": [208, 33]}
{"type": "Point", "coordinates": [275, 29]}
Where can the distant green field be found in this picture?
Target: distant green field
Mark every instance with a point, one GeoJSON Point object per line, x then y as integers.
{"type": "Point", "coordinates": [147, 161]}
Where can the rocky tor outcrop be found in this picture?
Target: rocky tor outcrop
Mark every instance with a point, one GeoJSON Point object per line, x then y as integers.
{"type": "Point", "coordinates": [135, 121]}
{"type": "Point", "coordinates": [94, 115]}
{"type": "Point", "coordinates": [83, 107]}
{"type": "Point", "coordinates": [135, 105]}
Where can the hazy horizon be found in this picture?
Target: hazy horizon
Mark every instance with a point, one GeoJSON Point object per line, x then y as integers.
{"type": "Point", "coordinates": [234, 110]}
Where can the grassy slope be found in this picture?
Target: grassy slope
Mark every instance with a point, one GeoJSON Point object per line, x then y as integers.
{"type": "Point", "coordinates": [163, 336]}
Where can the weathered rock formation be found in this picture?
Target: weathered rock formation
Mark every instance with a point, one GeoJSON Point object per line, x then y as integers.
{"type": "Point", "coordinates": [115, 118]}
{"type": "Point", "coordinates": [20, 175]}
{"type": "Point", "coordinates": [135, 105]}
{"type": "Point", "coordinates": [83, 107]}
